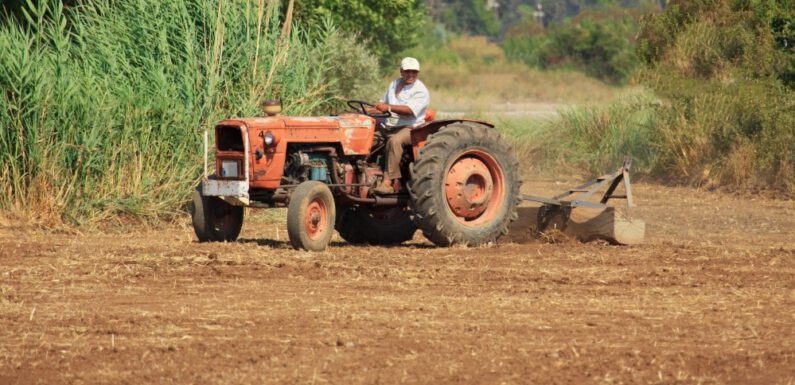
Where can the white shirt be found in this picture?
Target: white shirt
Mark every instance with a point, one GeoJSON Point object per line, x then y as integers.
{"type": "Point", "coordinates": [416, 96]}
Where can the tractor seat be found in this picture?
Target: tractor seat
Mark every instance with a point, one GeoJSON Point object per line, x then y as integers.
{"type": "Point", "coordinates": [430, 115]}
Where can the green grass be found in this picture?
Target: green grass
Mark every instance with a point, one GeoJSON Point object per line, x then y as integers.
{"type": "Point", "coordinates": [740, 140]}
{"type": "Point", "coordinates": [597, 138]}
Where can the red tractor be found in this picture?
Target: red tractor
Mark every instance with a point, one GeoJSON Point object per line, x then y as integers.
{"type": "Point", "coordinates": [460, 186]}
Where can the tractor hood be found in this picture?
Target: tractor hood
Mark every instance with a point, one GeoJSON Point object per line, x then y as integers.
{"type": "Point", "coordinates": [265, 140]}
{"type": "Point", "coordinates": [316, 122]}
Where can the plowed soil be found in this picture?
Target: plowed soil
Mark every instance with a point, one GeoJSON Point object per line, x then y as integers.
{"type": "Point", "coordinates": [709, 299]}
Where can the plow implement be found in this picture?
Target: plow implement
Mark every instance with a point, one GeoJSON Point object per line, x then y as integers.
{"type": "Point", "coordinates": [577, 214]}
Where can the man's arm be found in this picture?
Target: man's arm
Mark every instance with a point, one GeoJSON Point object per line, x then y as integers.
{"type": "Point", "coordinates": [418, 101]}
{"type": "Point", "coordinates": [372, 110]}
{"type": "Point", "coordinates": [396, 108]}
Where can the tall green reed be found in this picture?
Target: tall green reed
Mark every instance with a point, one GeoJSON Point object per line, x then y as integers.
{"type": "Point", "coordinates": [103, 105]}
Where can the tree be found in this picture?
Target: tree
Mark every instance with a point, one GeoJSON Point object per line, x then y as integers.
{"type": "Point", "coordinates": [470, 16]}
{"type": "Point", "coordinates": [597, 41]}
{"type": "Point", "coordinates": [387, 26]}
{"type": "Point", "coordinates": [480, 17]}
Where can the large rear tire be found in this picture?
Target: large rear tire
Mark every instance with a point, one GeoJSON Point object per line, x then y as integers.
{"type": "Point", "coordinates": [310, 216]}
{"type": "Point", "coordinates": [465, 185]}
{"type": "Point", "coordinates": [376, 225]}
{"type": "Point", "coordinates": [215, 220]}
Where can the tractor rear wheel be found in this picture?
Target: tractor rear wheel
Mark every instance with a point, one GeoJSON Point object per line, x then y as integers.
{"type": "Point", "coordinates": [310, 216]}
{"type": "Point", "coordinates": [465, 185]}
{"type": "Point", "coordinates": [215, 220]}
{"type": "Point", "coordinates": [376, 225]}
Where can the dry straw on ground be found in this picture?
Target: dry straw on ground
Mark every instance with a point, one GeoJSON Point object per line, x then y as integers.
{"type": "Point", "coordinates": [709, 299]}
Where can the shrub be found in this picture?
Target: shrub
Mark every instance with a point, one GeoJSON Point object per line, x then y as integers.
{"type": "Point", "coordinates": [350, 69]}
{"type": "Point", "coordinates": [708, 39]}
{"type": "Point", "coordinates": [600, 43]}
{"type": "Point", "coordinates": [385, 27]}
{"type": "Point", "coordinates": [721, 69]}
{"type": "Point", "coordinates": [470, 17]}
{"type": "Point", "coordinates": [737, 135]}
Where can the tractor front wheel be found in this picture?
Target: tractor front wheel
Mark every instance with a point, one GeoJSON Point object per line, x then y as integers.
{"type": "Point", "coordinates": [215, 220]}
{"type": "Point", "coordinates": [465, 185]}
{"type": "Point", "coordinates": [310, 216]}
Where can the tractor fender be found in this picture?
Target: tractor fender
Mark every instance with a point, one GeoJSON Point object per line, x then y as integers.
{"type": "Point", "coordinates": [419, 135]}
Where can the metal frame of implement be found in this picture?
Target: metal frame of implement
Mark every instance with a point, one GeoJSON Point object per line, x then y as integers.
{"type": "Point", "coordinates": [585, 191]}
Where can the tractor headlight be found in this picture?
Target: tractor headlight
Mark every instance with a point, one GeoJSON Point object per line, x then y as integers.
{"type": "Point", "coordinates": [269, 138]}
{"type": "Point", "coordinates": [230, 169]}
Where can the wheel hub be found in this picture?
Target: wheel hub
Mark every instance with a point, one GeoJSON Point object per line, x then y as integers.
{"type": "Point", "coordinates": [315, 221]}
{"type": "Point", "coordinates": [468, 187]}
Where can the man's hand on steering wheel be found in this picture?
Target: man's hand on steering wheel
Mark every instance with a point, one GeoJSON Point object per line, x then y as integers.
{"type": "Point", "coordinates": [370, 109]}
{"type": "Point", "coordinates": [382, 107]}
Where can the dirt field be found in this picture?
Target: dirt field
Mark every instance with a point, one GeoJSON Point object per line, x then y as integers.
{"type": "Point", "coordinates": [710, 299]}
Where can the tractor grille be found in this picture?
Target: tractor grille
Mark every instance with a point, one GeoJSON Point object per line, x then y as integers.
{"type": "Point", "coordinates": [229, 138]}
{"type": "Point", "coordinates": [230, 154]}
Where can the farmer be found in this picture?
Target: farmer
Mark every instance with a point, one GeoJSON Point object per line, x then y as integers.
{"type": "Point", "coordinates": [407, 98]}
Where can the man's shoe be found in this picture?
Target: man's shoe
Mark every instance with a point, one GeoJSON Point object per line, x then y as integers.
{"type": "Point", "coordinates": [384, 188]}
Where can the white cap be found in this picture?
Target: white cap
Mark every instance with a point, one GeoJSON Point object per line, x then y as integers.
{"type": "Point", "coordinates": [409, 63]}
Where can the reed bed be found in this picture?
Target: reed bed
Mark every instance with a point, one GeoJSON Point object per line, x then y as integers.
{"type": "Point", "coordinates": [104, 104]}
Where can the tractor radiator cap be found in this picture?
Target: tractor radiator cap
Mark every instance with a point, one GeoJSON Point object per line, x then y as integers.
{"type": "Point", "coordinates": [272, 107]}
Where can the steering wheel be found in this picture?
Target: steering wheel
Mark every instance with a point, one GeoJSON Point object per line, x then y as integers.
{"type": "Point", "coordinates": [360, 106]}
